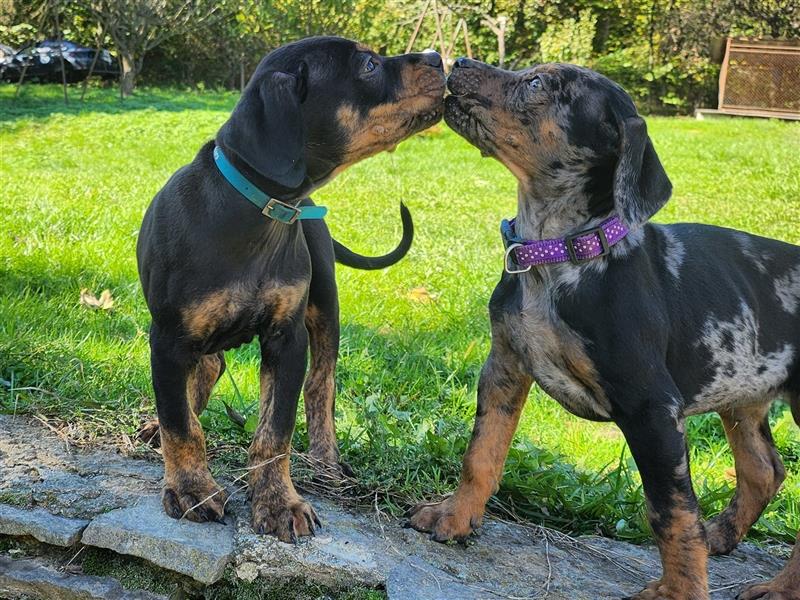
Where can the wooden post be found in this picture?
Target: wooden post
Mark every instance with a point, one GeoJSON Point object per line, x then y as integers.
{"type": "Point", "coordinates": [501, 41]}
{"type": "Point", "coordinates": [61, 53]}
{"type": "Point", "coordinates": [498, 27]}
{"type": "Point", "coordinates": [723, 74]}
{"type": "Point", "coordinates": [439, 34]}
{"type": "Point", "coordinates": [94, 62]}
{"type": "Point", "coordinates": [42, 20]}
{"type": "Point", "coordinates": [466, 39]}
{"type": "Point", "coordinates": [452, 44]}
{"type": "Point", "coordinates": [21, 80]}
{"type": "Point", "coordinates": [417, 27]}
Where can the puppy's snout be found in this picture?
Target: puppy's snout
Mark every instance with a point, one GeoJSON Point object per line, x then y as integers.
{"type": "Point", "coordinates": [429, 58]}
{"type": "Point", "coordinates": [432, 59]}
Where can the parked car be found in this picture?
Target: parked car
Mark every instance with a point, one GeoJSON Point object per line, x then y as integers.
{"type": "Point", "coordinates": [44, 62]}
{"type": "Point", "coordinates": [6, 52]}
{"type": "Point", "coordinates": [6, 55]}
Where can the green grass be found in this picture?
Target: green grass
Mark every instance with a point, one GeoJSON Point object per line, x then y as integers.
{"type": "Point", "coordinates": [76, 180]}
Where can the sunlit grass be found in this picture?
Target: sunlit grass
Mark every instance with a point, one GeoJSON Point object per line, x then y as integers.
{"type": "Point", "coordinates": [75, 181]}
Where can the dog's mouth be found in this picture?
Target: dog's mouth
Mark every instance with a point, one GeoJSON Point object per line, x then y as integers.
{"type": "Point", "coordinates": [460, 116]}
{"type": "Point", "coordinates": [465, 110]}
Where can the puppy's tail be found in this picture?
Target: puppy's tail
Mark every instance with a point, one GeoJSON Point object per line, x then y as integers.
{"type": "Point", "coordinates": [349, 258]}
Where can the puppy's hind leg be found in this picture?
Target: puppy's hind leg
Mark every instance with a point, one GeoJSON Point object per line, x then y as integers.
{"type": "Point", "coordinates": [189, 489]}
{"type": "Point", "coordinates": [205, 376]}
{"type": "Point", "coordinates": [759, 474]}
{"type": "Point", "coordinates": [786, 584]}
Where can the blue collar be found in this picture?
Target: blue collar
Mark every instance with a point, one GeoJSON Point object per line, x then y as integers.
{"type": "Point", "coordinates": [270, 207]}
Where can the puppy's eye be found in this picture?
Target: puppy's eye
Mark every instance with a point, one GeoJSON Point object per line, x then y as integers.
{"type": "Point", "coordinates": [369, 66]}
{"type": "Point", "coordinates": [535, 84]}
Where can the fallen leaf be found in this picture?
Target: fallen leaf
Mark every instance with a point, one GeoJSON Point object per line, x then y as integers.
{"type": "Point", "coordinates": [234, 415]}
{"type": "Point", "coordinates": [420, 294]}
{"type": "Point", "coordinates": [104, 302]}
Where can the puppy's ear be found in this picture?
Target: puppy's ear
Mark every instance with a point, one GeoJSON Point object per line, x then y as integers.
{"type": "Point", "coordinates": [266, 129]}
{"type": "Point", "coordinates": [641, 186]}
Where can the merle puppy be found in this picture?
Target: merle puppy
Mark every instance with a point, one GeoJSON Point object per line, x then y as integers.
{"type": "Point", "coordinates": [623, 320]}
{"type": "Point", "coordinates": [216, 271]}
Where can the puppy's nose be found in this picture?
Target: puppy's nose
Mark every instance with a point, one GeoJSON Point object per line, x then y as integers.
{"type": "Point", "coordinates": [461, 62]}
{"type": "Point", "coordinates": [432, 59]}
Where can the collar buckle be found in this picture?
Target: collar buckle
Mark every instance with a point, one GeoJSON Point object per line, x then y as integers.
{"type": "Point", "coordinates": [570, 243]}
{"type": "Point", "coordinates": [281, 211]}
{"type": "Point", "coordinates": [510, 263]}
{"type": "Point", "coordinates": [511, 241]}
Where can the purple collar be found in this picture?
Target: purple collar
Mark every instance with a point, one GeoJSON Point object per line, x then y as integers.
{"type": "Point", "coordinates": [521, 254]}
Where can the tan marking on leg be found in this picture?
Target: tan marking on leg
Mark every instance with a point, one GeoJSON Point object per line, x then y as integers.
{"type": "Point", "coordinates": [784, 586]}
{"type": "Point", "coordinates": [759, 474]}
{"type": "Point", "coordinates": [202, 317]}
{"type": "Point", "coordinates": [501, 395]}
{"type": "Point", "coordinates": [320, 390]}
{"type": "Point", "coordinates": [583, 370]}
{"type": "Point", "coordinates": [277, 508]}
{"type": "Point", "coordinates": [187, 480]}
{"type": "Point", "coordinates": [285, 300]}
{"type": "Point", "coordinates": [200, 382]}
{"type": "Point", "coordinates": [684, 558]}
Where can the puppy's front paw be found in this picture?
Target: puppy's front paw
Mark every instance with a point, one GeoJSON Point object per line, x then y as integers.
{"type": "Point", "coordinates": [196, 497]}
{"type": "Point", "coordinates": [150, 433]}
{"type": "Point", "coordinates": [328, 466]}
{"type": "Point", "coordinates": [721, 536]}
{"type": "Point", "coordinates": [768, 591]}
{"type": "Point", "coordinates": [446, 520]}
{"type": "Point", "coordinates": [285, 520]}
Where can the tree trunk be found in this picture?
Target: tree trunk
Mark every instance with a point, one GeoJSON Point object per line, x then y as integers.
{"type": "Point", "coordinates": [128, 72]}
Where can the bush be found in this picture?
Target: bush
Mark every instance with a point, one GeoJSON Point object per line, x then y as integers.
{"type": "Point", "coordinates": [677, 84]}
{"type": "Point", "coordinates": [569, 40]}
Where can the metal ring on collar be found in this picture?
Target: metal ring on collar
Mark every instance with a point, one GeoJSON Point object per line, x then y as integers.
{"type": "Point", "coordinates": [506, 262]}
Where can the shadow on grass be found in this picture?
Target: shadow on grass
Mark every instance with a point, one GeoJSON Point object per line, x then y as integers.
{"type": "Point", "coordinates": [41, 101]}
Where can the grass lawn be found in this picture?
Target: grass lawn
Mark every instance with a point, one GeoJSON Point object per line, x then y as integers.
{"type": "Point", "coordinates": [74, 183]}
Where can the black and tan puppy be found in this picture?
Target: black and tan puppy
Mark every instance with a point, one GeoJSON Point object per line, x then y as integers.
{"type": "Point", "coordinates": [216, 272]}
{"type": "Point", "coordinates": [641, 329]}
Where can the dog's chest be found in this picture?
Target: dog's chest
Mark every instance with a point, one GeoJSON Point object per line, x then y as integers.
{"type": "Point", "coordinates": [234, 315]}
{"type": "Point", "coordinates": [554, 356]}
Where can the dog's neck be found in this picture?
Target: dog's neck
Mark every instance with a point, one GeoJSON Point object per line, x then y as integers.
{"type": "Point", "coordinates": [561, 203]}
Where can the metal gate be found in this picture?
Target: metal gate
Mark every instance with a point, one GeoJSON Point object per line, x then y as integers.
{"type": "Point", "coordinates": [761, 78]}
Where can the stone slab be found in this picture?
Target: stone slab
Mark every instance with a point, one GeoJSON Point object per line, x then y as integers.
{"type": "Point", "coordinates": [40, 524]}
{"type": "Point", "coordinates": [506, 560]}
{"type": "Point", "coordinates": [28, 578]}
{"type": "Point", "coordinates": [353, 548]}
{"type": "Point", "coordinates": [199, 550]}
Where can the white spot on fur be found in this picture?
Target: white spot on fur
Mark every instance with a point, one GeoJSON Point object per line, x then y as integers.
{"type": "Point", "coordinates": [787, 289]}
{"type": "Point", "coordinates": [675, 409]}
{"type": "Point", "coordinates": [759, 258]}
{"type": "Point", "coordinates": [675, 251]}
{"type": "Point", "coordinates": [743, 372]}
